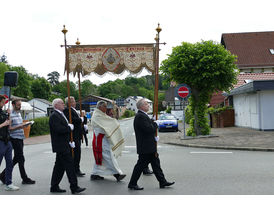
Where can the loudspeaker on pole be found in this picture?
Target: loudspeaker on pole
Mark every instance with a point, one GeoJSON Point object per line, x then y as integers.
{"type": "Point", "coordinates": [11, 79]}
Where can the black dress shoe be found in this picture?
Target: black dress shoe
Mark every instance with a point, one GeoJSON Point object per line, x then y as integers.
{"type": "Point", "coordinates": [28, 181]}
{"type": "Point", "coordinates": [119, 177]}
{"type": "Point", "coordinates": [166, 184]}
{"type": "Point", "coordinates": [96, 177]}
{"type": "Point", "coordinates": [77, 190]}
{"type": "Point", "coordinates": [135, 187]}
{"type": "Point", "coordinates": [80, 174]}
{"type": "Point", "coordinates": [147, 171]}
{"type": "Point", "coordinates": [57, 190]}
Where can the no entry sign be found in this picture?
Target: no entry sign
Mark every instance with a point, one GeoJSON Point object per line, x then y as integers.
{"type": "Point", "coordinates": [182, 91]}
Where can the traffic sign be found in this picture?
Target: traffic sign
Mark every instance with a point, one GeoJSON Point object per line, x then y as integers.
{"type": "Point", "coordinates": [182, 91]}
{"type": "Point", "coordinates": [7, 98]}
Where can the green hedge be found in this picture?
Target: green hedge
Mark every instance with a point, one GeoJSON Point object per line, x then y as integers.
{"type": "Point", "coordinates": [40, 126]}
{"type": "Point", "coordinates": [128, 113]}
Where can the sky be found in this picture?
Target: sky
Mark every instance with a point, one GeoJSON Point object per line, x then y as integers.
{"type": "Point", "coordinates": [30, 30]}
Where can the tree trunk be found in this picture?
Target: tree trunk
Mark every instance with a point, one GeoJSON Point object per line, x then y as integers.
{"type": "Point", "coordinates": [195, 94]}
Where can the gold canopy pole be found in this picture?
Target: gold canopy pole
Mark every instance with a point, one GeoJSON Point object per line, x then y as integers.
{"type": "Point", "coordinates": [68, 85]}
{"type": "Point", "coordinates": [79, 83]}
{"type": "Point", "coordinates": [156, 87]}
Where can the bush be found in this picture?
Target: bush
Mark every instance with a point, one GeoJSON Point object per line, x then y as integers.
{"type": "Point", "coordinates": [188, 115]}
{"type": "Point", "coordinates": [217, 110]}
{"type": "Point", "coordinates": [168, 110]}
{"type": "Point", "coordinates": [128, 113]}
{"type": "Point", "coordinates": [40, 126]}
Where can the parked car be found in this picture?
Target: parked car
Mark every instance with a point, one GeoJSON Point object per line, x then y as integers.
{"type": "Point", "coordinates": [167, 122]}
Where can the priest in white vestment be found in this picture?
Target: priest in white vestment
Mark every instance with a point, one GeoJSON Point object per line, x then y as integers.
{"type": "Point", "coordinates": [107, 145]}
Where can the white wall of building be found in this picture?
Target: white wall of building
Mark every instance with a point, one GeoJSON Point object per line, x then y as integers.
{"type": "Point", "coordinates": [255, 110]}
{"type": "Point", "coordinates": [267, 110]}
{"type": "Point", "coordinates": [131, 103]}
{"type": "Point", "coordinates": [38, 104]}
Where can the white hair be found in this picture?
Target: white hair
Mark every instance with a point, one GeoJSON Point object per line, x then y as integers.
{"type": "Point", "coordinates": [66, 99]}
{"type": "Point", "coordinates": [56, 101]}
{"type": "Point", "coordinates": [140, 103]}
{"type": "Point", "coordinates": [100, 103]}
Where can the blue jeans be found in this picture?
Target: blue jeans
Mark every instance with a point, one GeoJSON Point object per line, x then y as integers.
{"type": "Point", "coordinates": [6, 151]}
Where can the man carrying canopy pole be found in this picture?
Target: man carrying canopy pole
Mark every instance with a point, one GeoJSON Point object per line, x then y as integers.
{"type": "Point", "coordinates": [68, 85]}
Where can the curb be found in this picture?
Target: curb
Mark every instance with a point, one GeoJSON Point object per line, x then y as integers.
{"type": "Point", "coordinates": [224, 147]}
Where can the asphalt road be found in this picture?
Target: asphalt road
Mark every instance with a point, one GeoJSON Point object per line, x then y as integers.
{"type": "Point", "coordinates": [196, 171]}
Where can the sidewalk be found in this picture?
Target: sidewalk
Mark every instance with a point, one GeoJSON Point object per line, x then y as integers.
{"type": "Point", "coordinates": [235, 138]}
{"type": "Point", "coordinates": [37, 140]}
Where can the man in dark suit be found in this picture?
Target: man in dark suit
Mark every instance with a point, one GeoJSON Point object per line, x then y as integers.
{"type": "Point", "coordinates": [60, 139]}
{"type": "Point", "coordinates": [77, 133]}
{"type": "Point", "coordinates": [145, 130]}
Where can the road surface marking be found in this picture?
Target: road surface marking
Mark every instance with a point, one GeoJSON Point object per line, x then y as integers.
{"type": "Point", "coordinates": [211, 152]}
{"type": "Point", "coordinates": [159, 146]}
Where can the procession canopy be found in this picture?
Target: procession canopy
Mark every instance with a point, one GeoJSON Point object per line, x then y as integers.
{"type": "Point", "coordinates": [111, 58]}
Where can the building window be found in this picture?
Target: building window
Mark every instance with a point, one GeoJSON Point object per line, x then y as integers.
{"type": "Point", "coordinates": [271, 51]}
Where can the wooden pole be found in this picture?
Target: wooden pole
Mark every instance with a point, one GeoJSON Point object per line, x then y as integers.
{"type": "Point", "coordinates": [156, 87]}
{"type": "Point", "coordinates": [68, 85]}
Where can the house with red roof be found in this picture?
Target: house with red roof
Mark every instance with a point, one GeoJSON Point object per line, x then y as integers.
{"type": "Point", "coordinates": [255, 57]}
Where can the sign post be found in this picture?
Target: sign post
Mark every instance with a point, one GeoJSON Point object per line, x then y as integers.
{"type": "Point", "coordinates": [183, 91]}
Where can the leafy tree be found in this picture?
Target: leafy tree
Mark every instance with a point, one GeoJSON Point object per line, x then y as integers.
{"type": "Point", "coordinates": [53, 78]}
{"type": "Point", "coordinates": [41, 88]}
{"type": "Point", "coordinates": [61, 89]}
{"type": "Point", "coordinates": [206, 67]}
{"type": "Point", "coordinates": [3, 68]}
{"type": "Point", "coordinates": [3, 59]}
{"type": "Point", "coordinates": [88, 88]}
{"type": "Point", "coordinates": [23, 88]}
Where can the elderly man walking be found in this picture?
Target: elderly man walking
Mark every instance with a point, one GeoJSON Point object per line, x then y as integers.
{"type": "Point", "coordinates": [107, 144]}
{"type": "Point", "coordinates": [60, 139]}
{"type": "Point", "coordinates": [145, 129]}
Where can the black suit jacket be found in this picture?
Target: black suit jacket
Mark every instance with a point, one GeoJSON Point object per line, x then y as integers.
{"type": "Point", "coordinates": [76, 121]}
{"type": "Point", "coordinates": [145, 129]}
{"type": "Point", "coordinates": [59, 132]}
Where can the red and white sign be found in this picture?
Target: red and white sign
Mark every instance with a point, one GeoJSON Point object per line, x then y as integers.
{"type": "Point", "coordinates": [7, 98]}
{"type": "Point", "coordinates": [183, 92]}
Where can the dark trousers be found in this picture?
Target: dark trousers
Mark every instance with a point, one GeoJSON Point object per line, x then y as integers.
{"type": "Point", "coordinates": [6, 151]}
{"type": "Point", "coordinates": [143, 161]}
{"type": "Point", "coordinates": [63, 162]}
{"type": "Point", "coordinates": [85, 138]}
{"type": "Point", "coordinates": [18, 146]}
{"type": "Point", "coordinates": [77, 154]}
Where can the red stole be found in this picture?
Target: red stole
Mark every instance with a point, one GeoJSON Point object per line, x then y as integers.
{"type": "Point", "coordinates": [97, 148]}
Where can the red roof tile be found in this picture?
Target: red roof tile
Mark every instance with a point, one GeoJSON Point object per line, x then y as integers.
{"type": "Point", "coordinates": [218, 98]}
{"type": "Point", "coordinates": [251, 48]}
{"type": "Point", "coordinates": [254, 76]}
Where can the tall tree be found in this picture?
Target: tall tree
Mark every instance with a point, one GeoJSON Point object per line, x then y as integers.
{"type": "Point", "coordinates": [3, 59]}
{"type": "Point", "coordinates": [41, 88]}
{"type": "Point", "coordinates": [53, 78]}
{"type": "Point", "coordinates": [88, 88]}
{"type": "Point", "coordinates": [23, 88]}
{"type": "Point", "coordinates": [206, 67]}
{"type": "Point", "coordinates": [3, 68]}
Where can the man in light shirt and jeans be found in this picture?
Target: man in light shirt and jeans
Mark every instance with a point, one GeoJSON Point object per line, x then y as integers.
{"type": "Point", "coordinates": [17, 140]}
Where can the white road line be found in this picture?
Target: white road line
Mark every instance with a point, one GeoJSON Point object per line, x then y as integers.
{"type": "Point", "coordinates": [127, 146]}
{"type": "Point", "coordinates": [211, 152]}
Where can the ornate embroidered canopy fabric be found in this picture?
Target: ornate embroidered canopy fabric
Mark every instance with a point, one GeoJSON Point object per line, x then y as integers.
{"type": "Point", "coordinates": [111, 58]}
